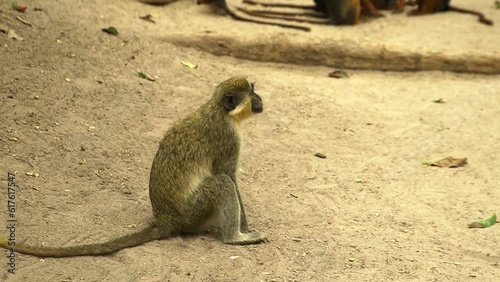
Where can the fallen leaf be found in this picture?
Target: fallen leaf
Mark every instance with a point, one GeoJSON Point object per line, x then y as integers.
{"type": "Point", "coordinates": [447, 162]}
{"type": "Point", "coordinates": [145, 75]}
{"type": "Point", "coordinates": [320, 155]}
{"type": "Point", "coordinates": [189, 65]}
{"type": "Point", "coordinates": [19, 8]}
{"type": "Point", "coordinates": [338, 74]}
{"type": "Point", "coordinates": [483, 223]}
{"type": "Point", "coordinates": [111, 30]}
{"type": "Point", "coordinates": [439, 101]}
{"type": "Point", "coordinates": [148, 18]}
{"type": "Point", "coordinates": [13, 35]}
{"type": "Point", "coordinates": [497, 4]}
{"type": "Point", "coordinates": [10, 32]}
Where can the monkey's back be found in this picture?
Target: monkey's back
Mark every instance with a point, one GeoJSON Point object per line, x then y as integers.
{"type": "Point", "coordinates": [186, 156]}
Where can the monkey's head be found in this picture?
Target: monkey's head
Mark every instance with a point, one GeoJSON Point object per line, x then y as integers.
{"type": "Point", "coordinates": [238, 98]}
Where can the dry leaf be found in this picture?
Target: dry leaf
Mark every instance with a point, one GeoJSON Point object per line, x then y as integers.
{"type": "Point", "coordinates": [338, 74]}
{"type": "Point", "coordinates": [148, 18]}
{"type": "Point", "coordinates": [189, 65]}
{"type": "Point", "coordinates": [145, 75]}
{"type": "Point", "coordinates": [111, 30]}
{"type": "Point", "coordinates": [13, 35]}
{"type": "Point", "coordinates": [439, 101]}
{"type": "Point", "coordinates": [320, 155]}
{"type": "Point", "coordinates": [10, 33]}
{"type": "Point", "coordinates": [448, 162]}
{"type": "Point", "coordinates": [475, 225]}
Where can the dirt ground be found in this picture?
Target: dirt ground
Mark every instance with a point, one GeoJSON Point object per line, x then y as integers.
{"type": "Point", "coordinates": [80, 130]}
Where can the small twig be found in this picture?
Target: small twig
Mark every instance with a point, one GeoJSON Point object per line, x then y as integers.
{"type": "Point", "coordinates": [29, 162]}
{"type": "Point", "coordinates": [23, 21]}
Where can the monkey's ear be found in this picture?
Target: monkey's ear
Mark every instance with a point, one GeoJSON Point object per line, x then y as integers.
{"type": "Point", "coordinates": [229, 102]}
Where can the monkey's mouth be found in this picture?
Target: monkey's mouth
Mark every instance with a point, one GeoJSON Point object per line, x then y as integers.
{"type": "Point", "coordinates": [257, 109]}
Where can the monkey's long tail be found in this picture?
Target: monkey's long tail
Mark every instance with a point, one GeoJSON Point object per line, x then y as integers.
{"type": "Point", "coordinates": [482, 18]}
{"type": "Point", "coordinates": [148, 234]}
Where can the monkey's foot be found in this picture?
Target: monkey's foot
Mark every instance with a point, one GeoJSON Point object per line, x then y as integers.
{"type": "Point", "coordinates": [252, 237]}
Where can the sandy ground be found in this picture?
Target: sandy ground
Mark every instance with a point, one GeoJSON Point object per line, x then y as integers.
{"type": "Point", "coordinates": [75, 114]}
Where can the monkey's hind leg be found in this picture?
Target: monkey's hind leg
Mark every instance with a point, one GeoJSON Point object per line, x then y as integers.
{"type": "Point", "coordinates": [399, 6]}
{"type": "Point", "coordinates": [217, 200]}
{"type": "Point", "coordinates": [371, 10]}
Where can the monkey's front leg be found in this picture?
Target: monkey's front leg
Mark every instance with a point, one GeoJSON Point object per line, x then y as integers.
{"type": "Point", "coordinates": [243, 216]}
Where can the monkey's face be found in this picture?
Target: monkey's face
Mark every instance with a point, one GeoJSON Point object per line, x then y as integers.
{"type": "Point", "coordinates": [241, 101]}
